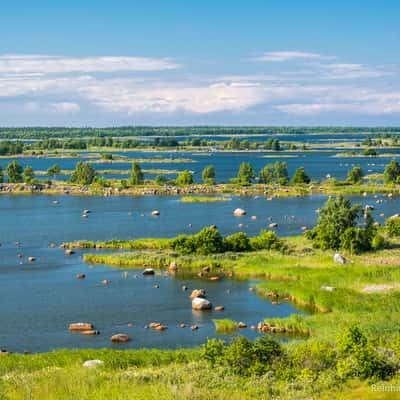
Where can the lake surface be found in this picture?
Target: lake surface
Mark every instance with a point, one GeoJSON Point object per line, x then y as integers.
{"type": "Point", "coordinates": [317, 164]}
{"type": "Point", "coordinates": [39, 300]}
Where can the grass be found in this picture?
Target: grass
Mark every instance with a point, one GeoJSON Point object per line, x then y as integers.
{"type": "Point", "coordinates": [225, 325]}
{"type": "Point", "coordinates": [203, 199]}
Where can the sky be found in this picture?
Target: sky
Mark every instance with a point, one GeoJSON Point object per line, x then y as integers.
{"type": "Point", "coordinates": [208, 62]}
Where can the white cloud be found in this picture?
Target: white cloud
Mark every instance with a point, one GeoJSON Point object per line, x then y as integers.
{"type": "Point", "coordinates": [350, 71]}
{"type": "Point", "coordinates": [28, 64]}
{"type": "Point", "coordinates": [63, 107]}
{"type": "Point", "coordinates": [279, 56]}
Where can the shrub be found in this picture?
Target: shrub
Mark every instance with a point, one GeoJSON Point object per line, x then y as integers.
{"type": "Point", "coordinates": [267, 240]}
{"type": "Point", "coordinates": [379, 242]}
{"type": "Point", "coordinates": [237, 242]}
{"type": "Point", "coordinates": [358, 358]}
{"type": "Point", "coordinates": [184, 244]}
{"type": "Point", "coordinates": [335, 217]}
{"type": "Point", "coordinates": [393, 226]}
{"type": "Point", "coordinates": [209, 241]}
{"type": "Point", "coordinates": [136, 177]}
{"type": "Point", "coordinates": [355, 175]}
{"type": "Point", "coordinates": [355, 240]}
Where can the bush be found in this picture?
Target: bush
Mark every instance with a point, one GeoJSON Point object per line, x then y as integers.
{"type": "Point", "coordinates": [335, 217]}
{"type": "Point", "coordinates": [237, 242]}
{"type": "Point", "coordinates": [209, 241]}
{"type": "Point", "coordinates": [358, 358]}
{"type": "Point", "coordinates": [355, 240]}
{"type": "Point", "coordinates": [243, 357]}
{"type": "Point", "coordinates": [83, 174]}
{"type": "Point", "coordinates": [379, 242]}
{"type": "Point", "coordinates": [267, 240]}
{"type": "Point", "coordinates": [393, 226]}
{"type": "Point", "coordinates": [184, 244]}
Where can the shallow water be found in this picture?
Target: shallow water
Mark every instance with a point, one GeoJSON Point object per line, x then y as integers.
{"type": "Point", "coordinates": [317, 164]}
{"type": "Point", "coordinates": [38, 300]}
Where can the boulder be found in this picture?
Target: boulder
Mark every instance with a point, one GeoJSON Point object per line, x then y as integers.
{"type": "Point", "coordinates": [69, 252]}
{"type": "Point", "coordinates": [273, 225]}
{"type": "Point", "coordinates": [92, 363]}
{"type": "Point", "coordinates": [242, 325]}
{"type": "Point", "coordinates": [106, 282]}
{"type": "Point", "coordinates": [91, 332]}
{"type": "Point", "coordinates": [328, 288]}
{"type": "Point", "coordinates": [120, 338]}
{"type": "Point", "coordinates": [219, 308]}
{"type": "Point", "coordinates": [80, 326]}
{"type": "Point", "coordinates": [148, 271]}
{"type": "Point", "coordinates": [215, 278]}
{"type": "Point", "coordinates": [239, 212]}
{"type": "Point", "coordinates": [173, 266]}
{"type": "Point", "coordinates": [155, 213]}
{"type": "Point", "coordinates": [200, 304]}
{"type": "Point", "coordinates": [194, 328]}
{"type": "Point", "coordinates": [197, 293]}
{"type": "Point", "coordinates": [80, 276]}
{"type": "Point", "coordinates": [338, 258]}
{"type": "Point", "coordinates": [31, 259]}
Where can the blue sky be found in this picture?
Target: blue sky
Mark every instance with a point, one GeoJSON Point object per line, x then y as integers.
{"type": "Point", "coordinates": [199, 62]}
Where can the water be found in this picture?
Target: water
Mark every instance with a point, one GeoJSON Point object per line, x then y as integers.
{"type": "Point", "coordinates": [38, 300]}
{"type": "Point", "coordinates": [226, 163]}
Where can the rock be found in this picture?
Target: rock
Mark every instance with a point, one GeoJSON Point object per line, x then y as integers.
{"type": "Point", "coordinates": [242, 325]}
{"type": "Point", "coordinates": [184, 288]}
{"type": "Point", "coordinates": [252, 289]}
{"type": "Point", "coordinates": [338, 258]}
{"type": "Point", "coordinates": [252, 328]}
{"type": "Point", "coordinates": [156, 286]}
{"type": "Point", "coordinates": [273, 225]}
{"type": "Point", "coordinates": [368, 207]}
{"type": "Point", "coordinates": [197, 293]}
{"type": "Point", "coordinates": [84, 215]}
{"type": "Point", "coordinates": [92, 363]}
{"type": "Point", "coordinates": [20, 255]}
{"type": "Point", "coordinates": [155, 213]}
{"type": "Point", "coordinates": [194, 328]}
{"type": "Point", "coordinates": [86, 211]}
{"type": "Point", "coordinates": [91, 332]}
{"type": "Point", "coordinates": [106, 282]}
{"type": "Point", "coordinates": [215, 278]}
{"type": "Point", "coordinates": [240, 225]}
{"type": "Point", "coordinates": [182, 326]}
{"type": "Point", "coordinates": [31, 259]}
{"type": "Point", "coordinates": [328, 288]}
{"type": "Point", "coordinates": [80, 326]}
{"type": "Point", "coordinates": [148, 271]}
{"type": "Point", "coordinates": [161, 328]}
{"type": "Point", "coordinates": [53, 245]}
{"type": "Point", "coordinates": [239, 212]}
{"type": "Point", "coordinates": [200, 304]}
{"type": "Point", "coordinates": [120, 338]}
{"type": "Point", "coordinates": [69, 252]}
{"type": "Point", "coordinates": [219, 308]}
{"type": "Point", "coordinates": [205, 269]}
{"type": "Point", "coordinates": [253, 217]}
{"type": "Point", "coordinates": [173, 266]}
{"type": "Point", "coordinates": [80, 276]}
{"type": "Point", "coordinates": [213, 226]}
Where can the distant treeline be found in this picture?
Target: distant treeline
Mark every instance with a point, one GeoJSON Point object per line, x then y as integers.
{"type": "Point", "coordinates": [63, 132]}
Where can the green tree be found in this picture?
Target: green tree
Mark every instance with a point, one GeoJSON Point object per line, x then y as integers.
{"type": "Point", "coordinates": [355, 175]}
{"type": "Point", "coordinates": [266, 175]}
{"type": "Point", "coordinates": [335, 217]}
{"type": "Point", "coordinates": [160, 180]}
{"type": "Point", "coordinates": [208, 175]}
{"type": "Point", "coordinates": [136, 177]}
{"type": "Point", "coordinates": [281, 173]}
{"type": "Point", "coordinates": [392, 172]}
{"type": "Point", "coordinates": [54, 170]}
{"type": "Point", "coordinates": [184, 178]}
{"type": "Point", "coordinates": [14, 172]}
{"type": "Point", "coordinates": [300, 177]}
{"type": "Point", "coordinates": [83, 174]}
{"type": "Point", "coordinates": [245, 174]}
{"type": "Point", "coordinates": [29, 175]}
